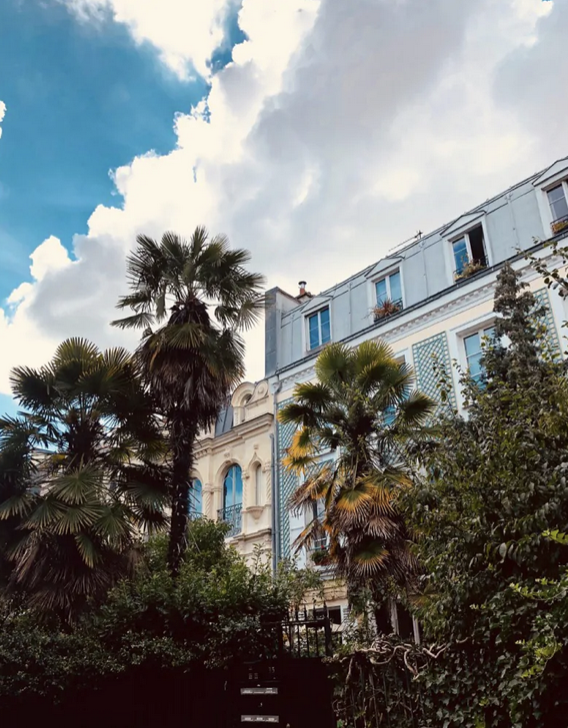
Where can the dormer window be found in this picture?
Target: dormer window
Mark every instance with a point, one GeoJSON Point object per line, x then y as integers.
{"type": "Point", "coordinates": [389, 288]}
{"type": "Point", "coordinates": [319, 329]}
{"type": "Point", "coordinates": [557, 199]}
{"type": "Point", "coordinates": [469, 252]}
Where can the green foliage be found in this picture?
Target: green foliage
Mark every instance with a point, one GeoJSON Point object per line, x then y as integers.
{"type": "Point", "coordinates": [555, 273]}
{"type": "Point", "coordinates": [490, 513]}
{"type": "Point", "coordinates": [365, 408]}
{"type": "Point", "coordinates": [81, 476]}
{"type": "Point", "coordinates": [216, 611]}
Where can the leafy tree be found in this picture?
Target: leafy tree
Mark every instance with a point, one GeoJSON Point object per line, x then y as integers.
{"type": "Point", "coordinates": [555, 277]}
{"type": "Point", "coordinates": [362, 408]}
{"type": "Point", "coordinates": [217, 610]}
{"type": "Point", "coordinates": [192, 299]}
{"type": "Point", "coordinates": [80, 475]}
{"type": "Point", "coordinates": [494, 489]}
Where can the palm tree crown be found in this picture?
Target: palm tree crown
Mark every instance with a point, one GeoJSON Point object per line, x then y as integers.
{"type": "Point", "coordinates": [362, 408]}
{"type": "Point", "coordinates": [192, 299]}
{"type": "Point", "coordinates": [81, 474]}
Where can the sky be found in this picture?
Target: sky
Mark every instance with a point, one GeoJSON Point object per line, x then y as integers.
{"type": "Point", "coordinates": [315, 133]}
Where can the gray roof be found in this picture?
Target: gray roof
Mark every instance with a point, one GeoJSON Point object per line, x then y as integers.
{"type": "Point", "coordinates": [224, 421]}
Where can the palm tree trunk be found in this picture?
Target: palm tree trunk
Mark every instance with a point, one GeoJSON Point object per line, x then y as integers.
{"type": "Point", "coordinates": [183, 443]}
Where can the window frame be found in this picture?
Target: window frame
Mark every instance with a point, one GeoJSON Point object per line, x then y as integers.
{"type": "Point", "coordinates": [563, 183]}
{"type": "Point", "coordinates": [192, 510]}
{"type": "Point", "coordinates": [386, 276]}
{"type": "Point", "coordinates": [480, 331]}
{"type": "Point", "coordinates": [554, 176]}
{"type": "Point", "coordinates": [464, 235]}
{"type": "Point", "coordinates": [308, 317]}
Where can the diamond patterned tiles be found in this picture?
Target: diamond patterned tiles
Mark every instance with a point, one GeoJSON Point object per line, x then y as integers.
{"type": "Point", "coordinates": [429, 355]}
{"type": "Point", "coordinates": [553, 342]}
{"type": "Point", "coordinates": [287, 483]}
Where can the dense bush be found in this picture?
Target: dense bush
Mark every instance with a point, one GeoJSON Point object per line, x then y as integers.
{"type": "Point", "coordinates": [217, 610]}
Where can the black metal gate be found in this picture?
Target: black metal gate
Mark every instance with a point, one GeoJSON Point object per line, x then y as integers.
{"type": "Point", "coordinates": [290, 687]}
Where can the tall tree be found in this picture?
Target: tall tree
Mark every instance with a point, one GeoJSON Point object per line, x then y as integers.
{"type": "Point", "coordinates": [494, 489]}
{"type": "Point", "coordinates": [81, 475]}
{"type": "Point", "coordinates": [364, 409]}
{"type": "Point", "coordinates": [192, 299]}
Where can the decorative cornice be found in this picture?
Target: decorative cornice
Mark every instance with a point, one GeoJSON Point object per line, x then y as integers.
{"type": "Point", "coordinates": [244, 537]}
{"type": "Point", "coordinates": [242, 431]}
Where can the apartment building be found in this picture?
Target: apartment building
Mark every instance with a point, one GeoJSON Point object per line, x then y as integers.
{"type": "Point", "coordinates": [431, 299]}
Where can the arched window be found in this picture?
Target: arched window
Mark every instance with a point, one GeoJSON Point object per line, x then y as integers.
{"type": "Point", "coordinates": [196, 499]}
{"type": "Point", "coordinates": [258, 485]}
{"type": "Point", "coordinates": [233, 499]}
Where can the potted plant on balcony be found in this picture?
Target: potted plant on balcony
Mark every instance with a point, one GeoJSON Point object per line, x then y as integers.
{"type": "Point", "coordinates": [559, 225]}
{"type": "Point", "coordinates": [321, 556]}
{"type": "Point", "coordinates": [386, 308]}
{"type": "Point", "coordinates": [469, 269]}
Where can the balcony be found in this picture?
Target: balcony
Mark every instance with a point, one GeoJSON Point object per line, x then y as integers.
{"type": "Point", "coordinates": [233, 516]}
{"type": "Point", "coordinates": [560, 225]}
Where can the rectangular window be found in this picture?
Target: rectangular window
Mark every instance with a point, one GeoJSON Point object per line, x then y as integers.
{"type": "Point", "coordinates": [469, 250]}
{"type": "Point", "coordinates": [558, 204]}
{"type": "Point", "coordinates": [474, 345]}
{"type": "Point", "coordinates": [319, 330]}
{"type": "Point", "coordinates": [389, 288]}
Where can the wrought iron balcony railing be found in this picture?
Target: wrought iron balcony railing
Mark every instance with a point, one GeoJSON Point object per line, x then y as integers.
{"type": "Point", "coordinates": [233, 516]}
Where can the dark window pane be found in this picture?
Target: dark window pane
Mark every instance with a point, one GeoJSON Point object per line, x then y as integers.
{"type": "Point", "coordinates": [381, 287]}
{"type": "Point", "coordinates": [476, 243]}
{"type": "Point", "coordinates": [228, 489]}
{"type": "Point", "coordinates": [238, 484]}
{"type": "Point", "coordinates": [396, 288]}
{"type": "Point", "coordinates": [196, 498]}
{"type": "Point", "coordinates": [313, 324]}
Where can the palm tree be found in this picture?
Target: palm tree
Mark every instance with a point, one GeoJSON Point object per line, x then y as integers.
{"type": "Point", "coordinates": [81, 475]}
{"type": "Point", "coordinates": [192, 299]}
{"type": "Point", "coordinates": [362, 408]}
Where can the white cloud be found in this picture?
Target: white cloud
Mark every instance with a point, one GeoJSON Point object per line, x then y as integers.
{"type": "Point", "coordinates": [183, 31]}
{"type": "Point", "coordinates": [339, 130]}
{"type": "Point", "coordinates": [2, 114]}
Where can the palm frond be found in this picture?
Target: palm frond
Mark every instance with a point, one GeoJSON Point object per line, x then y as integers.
{"type": "Point", "coordinates": [415, 410]}
{"type": "Point", "coordinates": [335, 365]}
{"type": "Point", "coordinates": [140, 320]}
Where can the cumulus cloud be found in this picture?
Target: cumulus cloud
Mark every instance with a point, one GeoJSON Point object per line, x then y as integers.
{"type": "Point", "coordinates": [338, 130]}
{"type": "Point", "coordinates": [185, 33]}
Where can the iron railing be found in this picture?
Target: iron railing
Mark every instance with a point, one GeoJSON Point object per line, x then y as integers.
{"type": "Point", "coordinates": [233, 516]}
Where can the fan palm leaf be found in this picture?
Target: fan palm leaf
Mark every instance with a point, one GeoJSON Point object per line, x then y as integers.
{"type": "Point", "coordinates": [73, 518]}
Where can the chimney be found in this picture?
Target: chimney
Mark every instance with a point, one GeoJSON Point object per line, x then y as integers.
{"type": "Point", "coordinates": [303, 295]}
